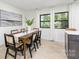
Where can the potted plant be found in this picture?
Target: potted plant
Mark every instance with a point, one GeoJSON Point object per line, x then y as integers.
{"type": "Point", "coordinates": [29, 23]}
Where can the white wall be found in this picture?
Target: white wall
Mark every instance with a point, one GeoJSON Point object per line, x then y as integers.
{"type": "Point", "coordinates": [59, 34]}
{"type": "Point", "coordinates": [46, 32]}
{"type": "Point", "coordinates": [30, 15]}
{"type": "Point", "coordinates": [52, 33]}
{"type": "Point", "coordinates": [36, 14]}
{"type": "Point", "coordinates": [49, 33]}
{"type": "Point", "coordinates": [3, 30]}
{"type": "Point", "coordinates": [74, 15]}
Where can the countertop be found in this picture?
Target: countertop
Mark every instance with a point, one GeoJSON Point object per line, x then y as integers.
{"type": "Point", "coordinates": [72, 32]}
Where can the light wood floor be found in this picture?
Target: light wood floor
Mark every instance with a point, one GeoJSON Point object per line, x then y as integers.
{"type": "Point", "coordinates": [48, 50]}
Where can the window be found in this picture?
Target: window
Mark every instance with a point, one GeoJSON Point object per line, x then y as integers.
{"type": "Point", "coordinates": [45, 21]}
{"type": "Point", "coordinates": [61, 20]}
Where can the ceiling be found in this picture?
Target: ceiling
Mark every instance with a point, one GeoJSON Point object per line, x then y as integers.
{"type": "Point", "coordinates": [35, 4]}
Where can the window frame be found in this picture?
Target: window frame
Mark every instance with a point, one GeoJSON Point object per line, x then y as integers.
{"type": "Point", "coordinates": [62, 20]}
{"type": "Point", "coordinates": [44, 21]}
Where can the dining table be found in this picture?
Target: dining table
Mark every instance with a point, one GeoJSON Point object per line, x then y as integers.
{"type": "Point", "coordinates": [24, 36]}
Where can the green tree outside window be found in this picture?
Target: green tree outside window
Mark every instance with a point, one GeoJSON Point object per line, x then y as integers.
{"type": "Point", "coordinates": [45, 21]}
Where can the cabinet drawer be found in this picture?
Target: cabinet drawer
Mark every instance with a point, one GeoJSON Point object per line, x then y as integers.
{"type": "Point", "coordinates": [73, 46]}
{"type": "Point", "coordinates": [74, 38]}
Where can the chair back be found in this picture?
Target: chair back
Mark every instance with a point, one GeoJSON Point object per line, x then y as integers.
{"type": "Point", "coordinates": [35, 28]}
{"type": "Point", "coordinates": [14, 31]}
{"type": "Point", "coordinates": [33, 38]}
{"type": "Point", "coordinates": [9, 40]}
{"type": "Point", "coordinates": [39, 34]}
{"type": "Point", "coordinates": [22, 30]}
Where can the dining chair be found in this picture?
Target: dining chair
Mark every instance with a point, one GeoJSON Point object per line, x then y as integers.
{"type": "Point", "coordinates": [14, 31]}
{"type": "Point", "coordinates": [31, 44]}
{"type": "Point", "coordinates": [12, 45]}
{"type": "Point", "coordinates": [39, 37]}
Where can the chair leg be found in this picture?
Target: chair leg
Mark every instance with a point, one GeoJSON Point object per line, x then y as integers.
{"type": "Point", "coordinates": [22, 52]}
{"type": "Point", "coordinates": [37, 44]}
{"type": "Point", "coordinates": [22, 48]}
{"type": "Point", "coordinates": [6, 53]}
{"type": "Point", "coordinates": [30, 52]}
{"type": "Point", "coordinates": [40, 42]}
{"type": "Point", "coordinates": [15, 54]}
{"type": "Point", "coordinates": [35, 47]}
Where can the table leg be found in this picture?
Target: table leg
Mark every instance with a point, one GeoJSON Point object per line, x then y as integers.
{"type": "Point", "coordinates": [24, 51]}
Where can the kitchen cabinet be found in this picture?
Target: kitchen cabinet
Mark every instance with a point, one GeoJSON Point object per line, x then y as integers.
{"type": "Point", "coordinates": [72, 45]}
